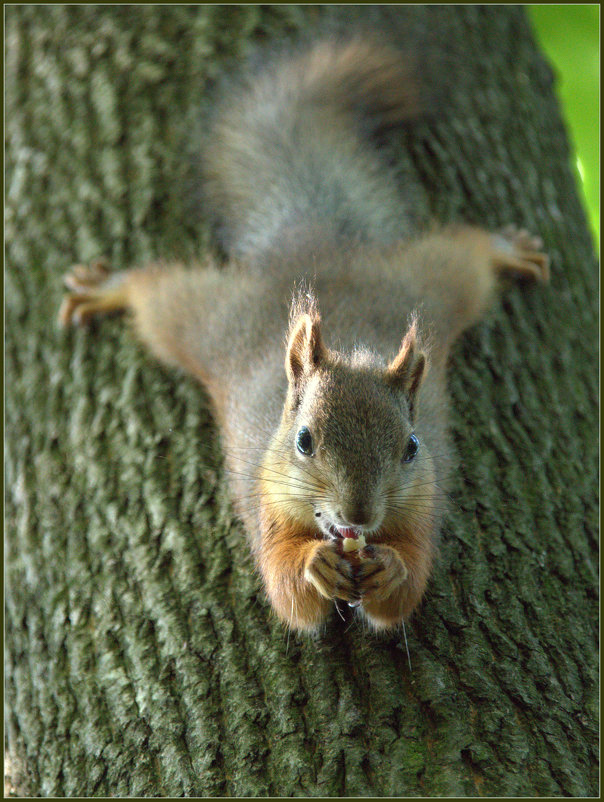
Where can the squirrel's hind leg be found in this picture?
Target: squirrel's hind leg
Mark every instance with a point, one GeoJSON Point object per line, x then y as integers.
{"type": "Point", "coordinates": [94, 290]}
{"type": "Point", "coordinates": [455, 272]}
{"type": "Point", "coordinates": [182, 315]}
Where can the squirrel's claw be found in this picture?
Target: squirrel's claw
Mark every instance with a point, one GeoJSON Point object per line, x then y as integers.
{"type": "Point", "coordinates": [81, 278]}
{"type": "Point", "coordinates": [74, 310]}
{"type": "Point", "coordinates": [518, 253]}
{"type": "Point", "coordinates": [93, 290]}
{"type": "Point", "coordinates": [382, 575]}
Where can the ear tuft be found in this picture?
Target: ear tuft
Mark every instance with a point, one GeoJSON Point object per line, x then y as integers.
{"type": "Point", "coordinates": [409, 367]}
{"type": "Point", "coordinates": [305, 349]}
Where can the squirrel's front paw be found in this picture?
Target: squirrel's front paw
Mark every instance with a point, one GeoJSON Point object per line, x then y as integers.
{"type": "Point", "coordinates": [93, 290]}
{"type": "Point", "coordinates": [381, 573]}
{"type": "Point", "coordinates": [331, 574]}
{"type": "Point", "coordinates": [518, 254]}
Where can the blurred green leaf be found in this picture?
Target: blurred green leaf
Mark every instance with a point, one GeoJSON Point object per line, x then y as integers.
{"type": "Point", "coordinates": [569, 35]}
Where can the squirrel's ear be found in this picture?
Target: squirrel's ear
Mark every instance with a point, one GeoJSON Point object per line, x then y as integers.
{"type": "Point", "coordinates": [305, 349]}
{"type": "Point", "coordinates": [409, 367]}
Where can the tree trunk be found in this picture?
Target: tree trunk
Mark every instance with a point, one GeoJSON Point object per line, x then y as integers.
{"type": "Point", "coordinates": [141, 656]}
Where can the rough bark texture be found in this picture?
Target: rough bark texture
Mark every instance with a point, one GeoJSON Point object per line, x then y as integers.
{"type": "Point", "coordinates": [141, 656]}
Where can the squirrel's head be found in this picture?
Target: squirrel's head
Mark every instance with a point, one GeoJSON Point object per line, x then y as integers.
{"type": "Point", "coordinates": [347, 454]}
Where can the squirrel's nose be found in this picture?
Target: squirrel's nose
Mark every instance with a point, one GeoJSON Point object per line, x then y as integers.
{"type": "Point", "coordinates": [357, 515]}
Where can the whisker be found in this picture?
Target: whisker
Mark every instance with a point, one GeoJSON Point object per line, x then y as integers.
{"type": "Point", "coordinates": [417, 520]}
{"type": "Point", "coordinates": [312, 475]}
{"type": "Point", "coordinates": [289, 629]}
{"type": "Point", "coordinates": [417, 512]}
{"type": "Point", "coordinates": [407, 646]}
{"type": "Point", "coordinates": [291, 483]}
{"type": "Point", "coordinates": [427, 483]}
{"type": "Point", "coordinates": [422, 502]}
{"type": "Point", "coordinates": [252, 426]}
{"type": "Point", "coordinates": [273, 470]}
{"type": "Point", "coordinates": [283, 499]}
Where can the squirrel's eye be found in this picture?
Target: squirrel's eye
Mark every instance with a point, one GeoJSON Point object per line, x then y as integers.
{"type": "Point", "coordinates": [304, 442]}
{"type": "Point", "coordinates": [412, 448]}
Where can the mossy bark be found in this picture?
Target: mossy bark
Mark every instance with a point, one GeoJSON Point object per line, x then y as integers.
{"type": "Point", "coordinates": [141, 656]}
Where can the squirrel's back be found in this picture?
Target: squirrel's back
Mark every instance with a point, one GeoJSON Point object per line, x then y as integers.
{"type": "Point", "coordinates": [287, 153]}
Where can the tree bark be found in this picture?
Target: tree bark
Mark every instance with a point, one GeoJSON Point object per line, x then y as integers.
{"type": "Point", "coordinates": [141, 656]}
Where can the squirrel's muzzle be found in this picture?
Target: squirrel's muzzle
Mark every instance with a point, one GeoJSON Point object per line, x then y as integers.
{"type": "Point", "coordinates": [357, 513]}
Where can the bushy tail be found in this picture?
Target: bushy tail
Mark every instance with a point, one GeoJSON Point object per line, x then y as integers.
{"type": "Point", "coordinates": [366, 78]}
{"type": "Point", "coordinates": [289, 149]}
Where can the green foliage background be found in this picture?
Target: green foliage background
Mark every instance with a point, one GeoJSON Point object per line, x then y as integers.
{"type": "Point", "coordinates": [569, 34]}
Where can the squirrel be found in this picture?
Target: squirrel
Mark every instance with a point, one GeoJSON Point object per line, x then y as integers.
{"type": "Point", "coordinates": [337, 436]}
